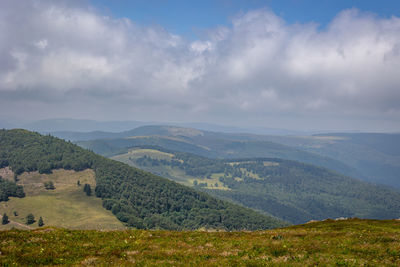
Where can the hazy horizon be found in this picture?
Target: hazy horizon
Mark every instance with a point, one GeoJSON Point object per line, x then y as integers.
{"type": "Point", "coordinates": [53, 125]}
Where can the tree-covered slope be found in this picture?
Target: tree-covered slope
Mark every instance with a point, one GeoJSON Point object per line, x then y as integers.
{"type": "Point", "coordinates": [374, 157]}
{"type": "Point", "coordinates": [138, 198]}
{"type": "Point", "coordinates": [290, 190]}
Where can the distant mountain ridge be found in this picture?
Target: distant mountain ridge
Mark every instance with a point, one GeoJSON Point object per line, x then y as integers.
{"type": "Point", "coordinates": [208, 144]}
{"type": "Point", "coordinates": [80, 125]}
{"type": "Point", "coordinates": [84, 125]}
{"type": "Point", "coordinates": [373, 157]}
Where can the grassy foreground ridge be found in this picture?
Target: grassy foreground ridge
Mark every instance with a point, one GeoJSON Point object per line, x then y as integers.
{"type": "Point", "coordinates": [351, 242]}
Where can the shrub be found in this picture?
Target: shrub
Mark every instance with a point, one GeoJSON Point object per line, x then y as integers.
{"type": "Point", "coordinates": [30, 218]}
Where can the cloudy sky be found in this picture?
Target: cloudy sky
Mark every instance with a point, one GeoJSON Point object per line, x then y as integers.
{"type": "Point", "coordinates": [305, 65]}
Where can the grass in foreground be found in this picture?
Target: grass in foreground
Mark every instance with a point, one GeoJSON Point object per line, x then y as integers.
{"type": "Point", "coordinates": [330, 243]}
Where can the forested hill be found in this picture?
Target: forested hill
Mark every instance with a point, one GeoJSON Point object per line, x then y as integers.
{"type": "Point", "coordinates": [136, 197]}
{"type": "Point", "coordinates": [290, 190]}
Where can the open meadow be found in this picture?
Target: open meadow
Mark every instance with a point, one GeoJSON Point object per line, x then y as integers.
{"type": "Point", "coordinates": [350, 242]}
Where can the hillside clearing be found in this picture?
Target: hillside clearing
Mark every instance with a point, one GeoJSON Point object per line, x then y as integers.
{"type": "Point", "coordinates": [65, 206]}
{"type": "Point", "coordinates": [174, 173]}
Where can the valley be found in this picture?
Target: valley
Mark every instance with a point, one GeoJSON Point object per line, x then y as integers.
{"type": "Point", "coordinates": [221, 206]}
{"type": "Point", "coordinates": [134, 197]}
{"type": "Point", "coordinates": [372, 157]}
{"type": "Point", "coordinates": [293, 191]}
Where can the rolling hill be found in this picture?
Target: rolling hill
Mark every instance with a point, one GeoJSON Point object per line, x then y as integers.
{"type": "Point", "coordinates": [372, 157]}
{"type": "Point", "coordinates": [208, 144]}
{"type": "Point", "coordinates": [290, 190]}
{"type": "Point", "coordinates": [136, 198]}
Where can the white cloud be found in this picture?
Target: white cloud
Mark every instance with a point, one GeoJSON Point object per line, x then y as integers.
{"type": "Point", "coordinates": [41, 44]}
{"type": "Point", "coordinates": [260, 65]}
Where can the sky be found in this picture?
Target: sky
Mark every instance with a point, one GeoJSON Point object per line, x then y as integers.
{"type": "Point", "coordinates": [295, 64]}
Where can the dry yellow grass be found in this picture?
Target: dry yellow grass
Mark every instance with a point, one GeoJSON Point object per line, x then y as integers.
{"type": "Point", "coordinates": [65, 206]}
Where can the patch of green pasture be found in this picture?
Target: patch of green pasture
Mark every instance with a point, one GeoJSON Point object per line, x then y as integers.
{"type": "Point", "coordinates": [174, 173]}
{"type": "Point", "coordinates": [153, 153]}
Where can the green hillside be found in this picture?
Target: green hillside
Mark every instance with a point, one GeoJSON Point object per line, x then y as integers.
{"type": "Point", "coordinates": [328, 243]}
{"type": "Point", "coordinates": [290, 190]}
{"type": "Point", "coordinates": [137, 198]}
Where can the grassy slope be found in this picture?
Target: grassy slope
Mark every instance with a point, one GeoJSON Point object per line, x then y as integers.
{"type": "Point", "coordinates": [66, 206]}
{"type": "Point", "coordinates": [329, 243]}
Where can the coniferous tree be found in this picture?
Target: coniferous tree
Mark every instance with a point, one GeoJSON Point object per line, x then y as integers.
{"type": "Point", "coordinates": [10, 189]}
{"type": "Point", "coordinates": [5, 219]}
{"type": "Point", "coordinates": [87, 189]}
{"type": "Point", "coordinates": [40, 222]}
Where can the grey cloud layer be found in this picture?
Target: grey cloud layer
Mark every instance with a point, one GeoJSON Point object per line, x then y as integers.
{"type": "Point", "coordinates": [260, 65]}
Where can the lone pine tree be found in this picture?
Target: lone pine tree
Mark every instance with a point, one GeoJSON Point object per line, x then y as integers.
{"type": "Point", "coordinates": [4, 220]}
{"type": "Point", "coordinates": [40, 222]}
{"type": "Point", "coordinates": [87, 189]}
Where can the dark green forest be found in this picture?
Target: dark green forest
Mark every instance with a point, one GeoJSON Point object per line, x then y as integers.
{"type": "Point", "coordinates": [10, 189]}
{"type": "Point", "coordinates": [137, 198]}
{"type": "Point", "coordinates": [294, 191]}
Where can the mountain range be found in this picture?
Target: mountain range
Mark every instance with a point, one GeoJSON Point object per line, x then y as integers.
{"type": "Point", "coordinates": [136, 198]}
{"type": "Point", "coordinates": [372, 157]}
{"type": "Point", "coordinates": [278, 179]}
